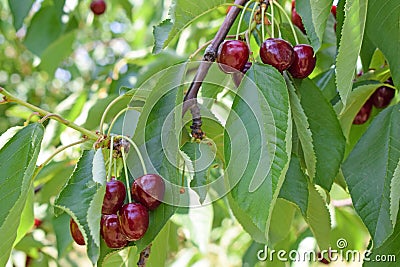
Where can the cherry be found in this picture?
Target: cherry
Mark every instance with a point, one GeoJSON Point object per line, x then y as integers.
{"type": "Point", "coordinates": [98, 7]}
{"type": "Point", "coordinates": [296, 19]}
{"type": "Point", "coordinates": [333, 11]}
{"type": "Point", "coordinates": [363, 115]}
{"type": "Point", "coordinates": [277, 52]}
{"type": "Point", "coordinates": [110, 230]}
{"type": "Point", "coordinates": [37, 223]}
{"type": "Point", "coordinates": [383, 95]}
{"type": "Point", "coordinates": [114, 197]}
{"type": "Point", "coordinates": [238, 76]}
{"type": "Point", "coordinates": [304, 61]}
{"type": "Point", "coordinates": [148, 190]}
{"type": "Point", "coordinates": [134, 220]}
{"type": "Point", "coordinates": [76, 233]}
{"type": "Point", "coordinates": [232, 54]}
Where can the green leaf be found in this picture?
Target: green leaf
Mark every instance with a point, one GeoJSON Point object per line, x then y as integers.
{"type": "Point", "coordinates": [281, 222]}
{"type": "Point", "coordinates": [383, 29]}
{"type": "Point", "coordinates": [257, 147]}
{"type": "Point", "coordinates": [7, 135]}
{"type": "Point", "coordinates": [318, 218]}
{"type": "Point", "coordinates": [350, 46]}
{"type": "Point", "coordinates": [328, 140]}
{"type": "Point", "coordinates": [295, 186]}
{"type": "Point", "coordinates": [17, 163]}
{"type": "Point", "coordinates": [82, 198]}
{"type": "Point", "coordinates": [202, 156]}
{"type": "Point", "coordinates": [183, 13]}
{"type": "Point", "coordinates": [314, 14]}
{"type": "Point", "coordinates": [27, 217]}
{"type": "Point", "coordinates": [122, 258]}
{"type": "Point", "coordinates": [57, 51]}
{"type": "Point", "coordinates": [63, 236]}
{"type": "Point", "coordinates": [369, 171]}
{"type": "Point", "coordinates": [45, 27]}
{"type": "Point", "coordinates": [390, 250]}
{"type": "Point", "coordinates": [303, 131]}
{"type": "Point", "coordinates": [19, 10]}
{"type": "Point", "coordinates": [356, 100]}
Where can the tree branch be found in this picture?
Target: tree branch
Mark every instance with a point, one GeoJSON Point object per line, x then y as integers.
{"type": "Point", "coordinates": [190, 101]}
{"type": "Point", "coordinates": [144, 256]}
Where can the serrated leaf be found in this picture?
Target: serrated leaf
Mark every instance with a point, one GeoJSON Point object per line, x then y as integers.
{"type": "Point", "coordinates": [157, 138]}
{"type": "Point", "coordinates": [63, 237]}
{"type": "Point", "coordinates": [303, 131]}
{"type": "Point", "coordinates": [356, 100]}
{"type": "Point", "coordinates": [318, 218]}
{"type": "Point", "coordinates": [328, 140]}
{"type": "Point", "coordinates": [19, 10]}
{"type": "Point", "coordinates": [183, 13]}
{"type": "Point", "coordinates": [314, 14]}
{"type": "Point", "coordinates": [17, 163]}
{"type": "Point", "coordinates": [395, 194]}
{"type": "Point", "coordinates": [82, 199]}
{"type": "Point", "coordinates": [369, 170]}
{"type": "Point", "coordinates": [295, 186]}
{"type": "Point", "coordinates": [257, 147]}
{"type": "Point", "coordinates": [350, 46]}
{"type": "Point", "coordinates": [7, 135]}
{"type": "Point", "coordinates": [383, 29]}
{"type": "Point", "coordinates": [27, 217]}
{"type": "Point", "coordinates": [281, 222]}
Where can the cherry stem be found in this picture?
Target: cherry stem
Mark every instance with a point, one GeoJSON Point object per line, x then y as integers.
{"type": "Point", "coordinates": [8, 97]}
{"type": "Point", "coordinates": [241, 18]}
{"type": "Point", "coordinates": [126, 174]}
{"type": "Point", "coordinates": [289, 21]}
{"type": "Point", "coordinates": [110, 158]}
{"type": "Point", "coordinates": [137, 152]}
{"type": "Point", "coordinates": [56, 152]}
{"type": "Point", "coordinates": [28, 120]}
{"type": "Point", "coordinates": [263, 7]}
{"type": "Point", "coordinates": [251, 17]}
{"type": "Point", "coordinates": [190, 100]}
{"type": "Point", "coordinates": [116, 118]}
{"type": "Point", "coordinates": [112, 103]}
{"type": "Point", "coordinates": [272, 20]}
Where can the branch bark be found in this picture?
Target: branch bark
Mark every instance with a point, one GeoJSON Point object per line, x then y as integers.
{"type": "Point", "coordinates": [144, 256]}
{"type": "Point", "coordinates": [190, 100]}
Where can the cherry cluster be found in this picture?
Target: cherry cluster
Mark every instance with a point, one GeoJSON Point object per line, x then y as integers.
{"type": "Point", "coordinates": [122, 223]}
{"type": "Point", "coordinates": [381, 98]}
{"type": "Point", "coordinates": [298, 60]}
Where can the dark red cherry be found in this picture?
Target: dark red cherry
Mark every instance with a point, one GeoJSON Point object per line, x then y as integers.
{"type": "Point", "coordinates": [134, 220]}
{"type": "Point", "coordinates": [383, 95]}
{"type": "Point", "coordinates": [114, 197]}
{"type": "Point", "coordinates": [232, 55]}
{"type": "Point", "coordinates": [76, 233]}
{"type": "Point", "coordinates": [296, 19]}
{"type": "Point", "coordinates": [304, 61]}
{"type": "Point", "coordinates": [149, 190]}
{"type": "Point", "coordinates": [363, 115]}
{"type": "Point", "coordinates": [277, 52]}
{"type": "Point", "coordinates": [98, 7]}
{"type": "Point", "coordinates": [110, 230]}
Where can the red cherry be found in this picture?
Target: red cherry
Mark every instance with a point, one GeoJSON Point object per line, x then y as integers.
{"type": "Point", "coordinates": [37, 222]}
{"type": "Point", "coordinates": [98, 7]}
{"type": "Point", "coordinates": [76, 233]}
{"type": "Point", "coordinates": [296, 19]}
{"type": "Point", "coordinates": [114, 197]}
{"type": "Point", "coordinates": [134, 220]}
{"type": "Point", "coordinates": [232, 54]}
{"type": "Point", "coordinates": [277, 52]}
{"type": "Point", "coordinates": [110, 230]}
{"type": "Point", "coordinates": [304, 61]}
{"type": "Point", "coordinates": [363, 115]}
{"type": "Point", "coordinates": [333, 11]}
{"type": "Point", "coordinates": [149, 190]}
{"type": "Point", "coordinates": [383, 95]}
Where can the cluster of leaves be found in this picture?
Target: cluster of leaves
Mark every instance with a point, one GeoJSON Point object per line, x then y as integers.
{"type": "Point", "coordinates": [286, 147]}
